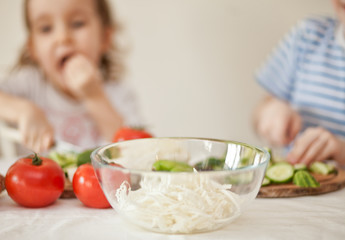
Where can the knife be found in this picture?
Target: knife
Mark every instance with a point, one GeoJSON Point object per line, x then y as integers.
{"type": "Point", "coordinates": [59, 145]}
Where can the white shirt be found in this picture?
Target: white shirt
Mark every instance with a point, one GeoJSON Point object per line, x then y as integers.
{"type": "Point", "coordinates": [70, 119]}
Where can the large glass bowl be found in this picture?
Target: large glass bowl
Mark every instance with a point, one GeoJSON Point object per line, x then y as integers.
{"type": "Point", "coordinates": [226, 177]}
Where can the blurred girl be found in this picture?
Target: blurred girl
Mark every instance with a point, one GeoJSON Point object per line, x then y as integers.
{"type": "Point", "coordinates": [66, 83]}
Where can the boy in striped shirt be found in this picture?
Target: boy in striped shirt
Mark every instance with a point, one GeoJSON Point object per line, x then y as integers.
{"type": "Point", "coordinates": [305, 78]}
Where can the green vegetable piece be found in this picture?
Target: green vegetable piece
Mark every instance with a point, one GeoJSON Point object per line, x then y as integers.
{"type": "Point", "coordinates": [265, 182]}
{"type": "Point", "coordinates": [163, 165]}
{"type": "Point", "coordinates": [84, 157]}
{"type": "Point", "coordinates": [269, 150]}
{"type": "Point", "coordinates": [181, 169]}
{"type": "Point", "coordinates": [210, 164]}
{"type": "Point", "coordinates": [319, 168]}
{"type": "Point", "coordinates": [112, 153]}
{"type": "Point", "coordinates": [331, 168]}
{"type": "Point", "coordinates": [303, 178]}
{"type": "Point", "coordinates": [171, 166]}
{"type": "Point", "coordinates": [281, 172]}
{"type": "Point", "coordinates": [215, 162]}
{"type": "Point", "coordinates": [300, 166]}
{"type": "Point", "coordinates": [244, 162]}
{"type": "Point", "coordinates": [65, 160]}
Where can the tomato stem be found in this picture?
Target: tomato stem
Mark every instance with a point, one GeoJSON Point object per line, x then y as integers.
{"type": "Point", "coordinates": [36, 160]}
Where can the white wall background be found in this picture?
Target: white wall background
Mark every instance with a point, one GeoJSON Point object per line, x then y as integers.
{"type": "Point", "coordinates": [191, 61]}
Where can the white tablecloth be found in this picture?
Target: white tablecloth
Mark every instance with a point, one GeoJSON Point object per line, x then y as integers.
{"type": "Point", "coordinates": [314, 217]}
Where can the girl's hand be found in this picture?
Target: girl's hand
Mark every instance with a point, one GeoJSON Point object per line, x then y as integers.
{"type": "Point", "coordinates": [277, 122]}
{"type": "Point", "coordinates": [84, 83]}
{"type": "Point", "coordinates": [83, 79]}
{"type": "Point", "coordinates": [36, 131]}
{"type": "Point", "coordinates": [317, 144]}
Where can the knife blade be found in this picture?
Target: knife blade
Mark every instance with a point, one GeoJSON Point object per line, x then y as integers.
{"type": "Point", "coordinates": [59, 145]}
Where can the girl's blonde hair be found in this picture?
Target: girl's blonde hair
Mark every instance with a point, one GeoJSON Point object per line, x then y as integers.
{"type": "Point", "coordinates": [111, 62]}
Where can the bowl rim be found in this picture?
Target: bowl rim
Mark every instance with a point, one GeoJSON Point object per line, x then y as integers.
{"type": "Point", "coordinates": [266, 155]}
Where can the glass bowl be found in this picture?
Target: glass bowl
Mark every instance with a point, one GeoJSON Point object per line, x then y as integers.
{"type": "Point", "coordinates": [221, 179]}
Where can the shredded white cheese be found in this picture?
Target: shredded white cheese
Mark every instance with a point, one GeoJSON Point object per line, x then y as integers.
{"type": "Point", "coordinates": [178, 204]}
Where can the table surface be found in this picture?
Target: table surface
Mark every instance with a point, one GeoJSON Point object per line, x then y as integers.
{"type": "Point", "coordinates": [312, 217]}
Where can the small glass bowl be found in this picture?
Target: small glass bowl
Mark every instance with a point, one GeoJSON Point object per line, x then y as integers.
{"type": "Point", "coordinates": [226, 176]}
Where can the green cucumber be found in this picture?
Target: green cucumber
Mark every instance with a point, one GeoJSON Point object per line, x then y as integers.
{"type": "Point", "coordinates": [269, 150]}
{"type": "Point", "coordinates": [331, 168]}
{"type": "Point", "coordinates": [300, 166]}
{"type": "Point", "coordinates": [244, 162]}
{"type": "Point", "coordinates": [280, 172]}
{"type": "Point", "coordinates": [65, 160]}
{"type": "Point", "coordinates": [211, 163]}
{"type": "Point", "coordinates": [171, 166]}
{"type": "Point", "coordinates": [84, 157]}
{"type": "Point", "coordinates": [265, 182]}
{"type": "Point", "coordinates": [319, 168]}
{"type": "Point", "coordinates": [303, 178]}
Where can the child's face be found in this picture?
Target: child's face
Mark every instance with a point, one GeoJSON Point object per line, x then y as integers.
{"type": "Point", "coordinates": [339, 7]}
{"type": "Point", "coordinates": [62, 29]}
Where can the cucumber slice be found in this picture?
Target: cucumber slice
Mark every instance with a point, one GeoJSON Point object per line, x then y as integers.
{"type": "Point", "coordinates": [331, 168]}
{"type": "Point", "coordinates": [280, 172]}
{"type": "Point", "coordinates": [269, 150]}
{"type": "Point", "coordinates": [300, 166]}
{"type": "Point", "coordinates": [210, 164]}
{"type": "Point", "coordinates": [265, 182]}
{"type": "Point", "coordinates": [320, 168]}
{"type": "Point", "coordinates": [302, 178]}
{"type": "Point", "coordinates": [171, 166]}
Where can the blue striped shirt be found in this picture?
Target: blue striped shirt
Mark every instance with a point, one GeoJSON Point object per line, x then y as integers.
{"type": "Point", "coordinates": [307, 69]}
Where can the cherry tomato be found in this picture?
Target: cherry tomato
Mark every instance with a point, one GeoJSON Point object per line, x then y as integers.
{"type": "Point", "coordinates": [126, 133]}
{"type": "Point", "coordinates": [87, 188]}
{"type": "Point", "coordinates": [35, 181]}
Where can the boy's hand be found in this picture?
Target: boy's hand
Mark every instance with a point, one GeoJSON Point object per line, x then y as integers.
{"type": "Point", "coordinates": [317, 144]}
{"type": "Point", "coordinates": [83, 79]}
{"type": "Point", "coordinates": [36, 131]}
{"type": "Point", "coordinates": [277, 122]}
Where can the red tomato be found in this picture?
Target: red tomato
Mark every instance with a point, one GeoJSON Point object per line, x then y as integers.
{"type": "Point", "coordinates": [126, 133]}
{"type": "Point", "coordinates": [87, 189]}
{"type": "Point", "coordinates": [35, 181]}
